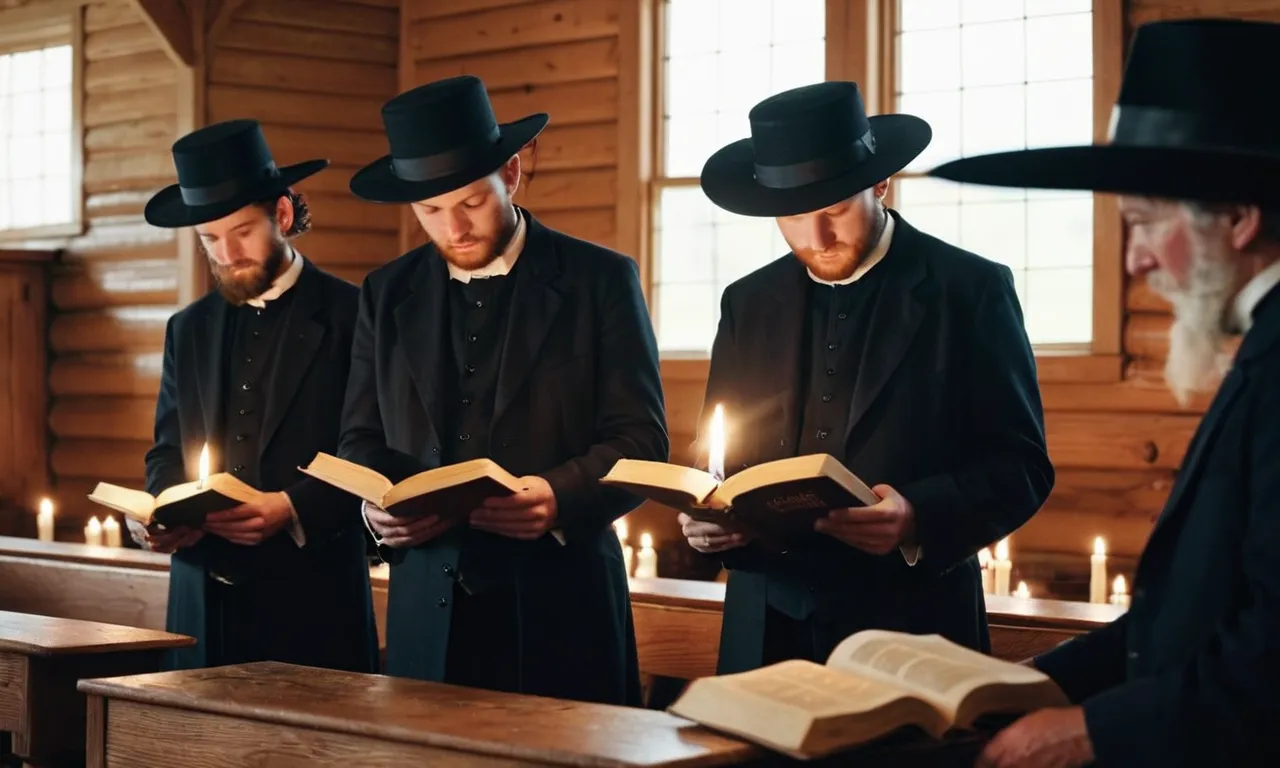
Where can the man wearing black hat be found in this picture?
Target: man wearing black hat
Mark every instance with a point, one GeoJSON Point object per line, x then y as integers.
{"type": "Point", "coordinates": [256, 372]}
{"type": "Point", "coordinates": [504, 339]}
{"type": "Point", "coordinates": [903, 357]}
{"type": "Point", "coordinates": [1189, 675]}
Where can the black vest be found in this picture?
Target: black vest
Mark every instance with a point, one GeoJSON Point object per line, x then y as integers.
{"type": "Point", "coordinates": [477, 317]}
{"type": "Point", "coordinates": [252, 337]}
{"type": "Point", "coordinates": [836, 333]}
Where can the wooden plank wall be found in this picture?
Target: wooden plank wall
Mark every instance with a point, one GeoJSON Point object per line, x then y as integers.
{"type": "Point", "coordinates": [554, 56]}
{"type": "Point", "coordinates": [315, 74]}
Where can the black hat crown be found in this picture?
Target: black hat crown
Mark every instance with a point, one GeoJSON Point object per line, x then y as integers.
{"type": "Point", "coordinates": [1195, 83]}
{"type": "Point", "coordinates": [440, 128]}
{"type": "Point", "coordinates": [221, 161]}
{"type": "Point", "coordinates": [810, 134]}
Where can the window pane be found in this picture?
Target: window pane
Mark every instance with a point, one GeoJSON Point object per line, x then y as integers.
{"type": "Point", "coordinates": [57, 199]}
{"type": "Point", "coordinates": [56, 67]}
{"type": "Point", "coordinates": [686, 318]}
{"type": "Point", "coordinates": [1060, 47]}
{"type": "Point", "coordinates": [743, 247]}
{"type": "Point", "coordinates": [1051, 7]}
{"type": "Point", "coordinates": [1061, 232]}
{"type": "Point", "coordinates": [942, 111]}
{"type": "Point", "coordinates": [742, 79]}
{"type": "Point", "coordinates": [689, 93]}
{"type": "Point", "coordinates": [996, 231]}
{"type": "Point", "coordinates": [684, 254]}
{"type": "Point", "coordinates": [28, 113]}
{"type": "Point", "coordinates": [975, 11]}
{"type": "Point", "coordinates": [1059, 305]}
{"type": "Point", "coordinates": [929, 61]}
{"type": "Point", "coordinates": [689, 142]}
{"type": "Point", "coordinates": [922, 190]}
{"type": "Point", "coordinates": [687, 26]}
{"type": "Point", "coordinates": [992, 54]}
{"type": "Point", "coordinates": [1057, 114]}
{"type": "Point", "coordinates": [744, 24]}
{"type": "Point", "coordinates": [24, 157]}
{"type": "Point", "coordinates": [26, 203]}
{"type": "Point", "coordinates": [57, 154]}
{"type": "Point", "coordinates": [25, 72]}
{"type": "Point", "coordinates": [927, 14]}
{"type": "Point", "coordinates": [994, 119]}
{"type": "Point", "coordinates": [799, 22]}
{"type": "Point", "coordinates": [941, 221]}
{"type": "Point", "coordinates": [796, 65]}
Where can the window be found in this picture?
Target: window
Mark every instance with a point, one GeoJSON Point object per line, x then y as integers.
{"type": "Point", "coordinates": [993, 75]}
{"type": "Point", "coordinates": [718, 58]}
{"type": "Point", "coordinates": [38, 187]}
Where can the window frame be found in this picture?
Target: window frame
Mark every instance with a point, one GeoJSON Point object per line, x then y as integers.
{"type": "Point", "coordinates": [33, 32]}
{"type": "Point", "coordinates": [860, 37]}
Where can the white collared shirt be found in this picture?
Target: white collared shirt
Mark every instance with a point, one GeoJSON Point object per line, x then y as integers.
{"type": "Point", "coordinates": [910, 554]}
{"type": "Point", "coordinates": [1252, 293]}
{"type": "Point", "coordinates": [502, 265]}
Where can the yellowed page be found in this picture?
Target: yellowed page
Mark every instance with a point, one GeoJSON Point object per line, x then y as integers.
{"type": "Point", "coordinates": [350, 477]}
{"type": "Point", "coordinates": [669, 484]}
{"type": "Point", "coordinates": [136, 504]}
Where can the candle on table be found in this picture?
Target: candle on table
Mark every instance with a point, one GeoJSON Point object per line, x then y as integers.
{"type": "Point", "coordinates": [988, 575]}
{"type": "Point", "coordinates": [111, 532]}
{"type": "Point", "coordinates": [44, 521]}
{"type": "Point", "coordinates": [1098, 572]}
{"type": "Point", "coordinates": [1003, 567]}
{"type": "Point", "coordinates": [204, 466]}
{"type": "Point", "coordinates": [93, 532]}
{"type": "Point", "coordinates": [715, 448]}
{"type": "Point", "coordinates": [647, 561]}
{"type": "Point", "coordinates": [1023, 590]}
{"type": "Point", "coordinates": [1120, 592]}
{"type": "Point", "coordinates": [628, 554]}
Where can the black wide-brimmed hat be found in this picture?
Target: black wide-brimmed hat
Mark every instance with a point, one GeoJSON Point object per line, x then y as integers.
{"type": "Point", "coordinates": [1191, 122]}
{"type": "Point", "coordinates": [810, 147]}
{"type": "Point", "coordinates": [443, 136]}
{"type": "Point", "coordinates": [222, 168]}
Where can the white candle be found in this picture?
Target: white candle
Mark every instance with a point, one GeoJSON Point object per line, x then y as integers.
{"type": "Point", "coordinates": [111, 532]}
{"type": "Point", "coordinates": [1120, 592]}
{"type": "Point", "coordinates": [44, 521]}
{"type": "Point", "coordinates": [1003, 567]}
{"type": "Point", "coordinates": [204, 466]}
{"type": "Point", "coordinates": [93, 532]}
{"type": "Point", "coordinates": [628, 554]}
{"type": "Point", "coordinates": [988, 575]}
{"type": "Point", "coordinates": [1098, 572]}
{"type": "Point", "coordinates": [1023, 590]}
{"type": "Point", "coordinates": [647, 562]}
{"type": "Point", "coordinates": [715, 451]}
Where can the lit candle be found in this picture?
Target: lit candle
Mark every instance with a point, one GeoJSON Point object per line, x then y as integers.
{"type": "Point", "coordinates": [1023, 590]}
{"type": "Point", "coordinates": [1003, 567]}
{"type": "Point", "coordinates": [204, 466]}
{"type": "Point", "coordinates": [1098, 572]}
{"type": "Point", "coordinates": [93, 532]}
{"type": "Point", "coordinates": [628, 554]}
{"type": "Point", "coordinates": [647, 561]}
{"type": "Point", "coordinates": [111, 532]}
{"type": "Point", "coordinates": [1120, 592]}
{"type": "Point", "coordinates": [44, 520]}
{"type": "Point", "coordinates": [715, 451]}
{"type": "Point", "coordinates": [988, 575]}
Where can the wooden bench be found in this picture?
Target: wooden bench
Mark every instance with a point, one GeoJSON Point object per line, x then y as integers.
{"type": "Point", "coordinates": [42, 658]}
{"type": "Point", "coordinates": [270, 713]}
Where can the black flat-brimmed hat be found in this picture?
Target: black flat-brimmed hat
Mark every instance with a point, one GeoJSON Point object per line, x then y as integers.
{"type": "Point", "coordinates": [1190, 123]}
{"type": "Point", "coordinates": [442, 136]}
{"type": "Point", "coordinates": [810, 147]}
{"type": "Point", "coordinates": [222, 168]}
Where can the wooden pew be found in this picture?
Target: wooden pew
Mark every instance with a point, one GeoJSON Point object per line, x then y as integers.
{"type": "Point", "coordinates": [42, 658]}
{"type": "Point", "coordinates": [280, 713]}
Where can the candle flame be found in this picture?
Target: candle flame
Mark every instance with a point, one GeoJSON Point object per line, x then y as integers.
{"type": "Point", "coordinates": [46, 507]}
{"type": "Point", "coordinates": [94, 524]}
{"type": "Point", "coordinates": [1099, 546]}
{"type": "Point", "coordinates": [1002, 549]}
{"type": "Point", "coordinates": [646, 541]}
{"type": "Point", "coordinates": [204, 463]}
{"type": "Point", "coordinates": [1118, 586]}
{"type": "Point", "coordinates": [715, 457]}
{"type": "Point", "coordinates": [984, 557]}
{"type": "Point", "coordinates": [1023, 590]}
{"type": "Point", "coordinates": [620, 526]}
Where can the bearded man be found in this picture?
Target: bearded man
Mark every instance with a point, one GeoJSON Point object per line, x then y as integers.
{"type": "Point", "coordinates": [1188, 676]}
{"type": "Point", "coordinates": [901, 356]}
{"type": "Point", "coordinates": [256, 371]}
{"type": "Point", "coordinates": [505, 339]}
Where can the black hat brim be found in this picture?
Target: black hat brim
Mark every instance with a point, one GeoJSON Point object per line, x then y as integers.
{"type": "Point", "coordinates": [378, 183]}
{"type": "Point", "coordinates": [728, 177]}
{"type": "Point", "coordinates": [1161, 172]}
{"type": "Point", "coordinates": [167, 208]}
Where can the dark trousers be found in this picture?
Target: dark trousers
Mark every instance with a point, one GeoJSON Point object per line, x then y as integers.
{"type": "Point", "coordinates": [788, 638]}
{"type": "Point", "coordinates": [484, 641]}
{"type": "Point", "coordinates": [240, 629]}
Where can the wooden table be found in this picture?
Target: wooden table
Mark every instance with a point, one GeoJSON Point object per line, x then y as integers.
{"type": "Point", "coordinates": [277, 714]}
{"type": "Point", "coordinates": [42, 658]}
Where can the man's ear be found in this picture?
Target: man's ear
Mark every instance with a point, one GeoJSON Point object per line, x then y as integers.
{"type": "Point", "coordinates": [1246, 226]}
{"type": "Point", "coordinates": [881, 190]}
{"type": "Point", "coordinates": [284, 212]}
{"type": "Point", "coordinates": [511, 175]}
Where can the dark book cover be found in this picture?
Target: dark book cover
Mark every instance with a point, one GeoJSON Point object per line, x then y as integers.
{"type": "Point", "coordinates": [455, 501]}
{"type": "Point", "coordinates": [784, 513]}
{"type": "Point", "coordinates": [192, 511]}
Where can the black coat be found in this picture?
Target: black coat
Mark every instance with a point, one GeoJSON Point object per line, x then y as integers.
{"type": "Point", "coordinates": [1190, 675]}
{"type": "Point", "coordinates": [946, 409]}
{"type": "Point", "coordinates": [578, 389]}
{"type": "Point", "coordinates": [325, 611]}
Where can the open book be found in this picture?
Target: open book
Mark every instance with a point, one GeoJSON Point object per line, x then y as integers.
{"type": "Point", "coordinates": [778, 500]}
{"type": "Point", "coordinates": [449, 491]}
{"type": "Point", "coordinates": [874, 683]}
{"type": "Point", "coordinates": [183, 504]}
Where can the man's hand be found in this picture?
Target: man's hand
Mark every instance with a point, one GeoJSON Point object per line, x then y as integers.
{"type": "Point", "coordinates": [526, 515]}
{"type": "Point", "coordinates": [160, 540]}
{"type": "Point", "coordinates": [403, 532]}
{"type": "Point", "coordinates": [878, 529]}
{"type": "Point", "coordinates": [709, 538]}
{"type": "Point", "coordinates": [253, 522]}
{"type": "Point", "coordinates": [1049, 738]}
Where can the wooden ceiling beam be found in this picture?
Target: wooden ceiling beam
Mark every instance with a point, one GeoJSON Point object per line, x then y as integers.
{"type": "Point", "coordinates": [171, 23]}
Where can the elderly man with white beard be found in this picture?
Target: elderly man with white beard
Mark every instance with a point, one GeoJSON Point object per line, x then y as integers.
{"type": "Point", "coordinates": [1190, 675]}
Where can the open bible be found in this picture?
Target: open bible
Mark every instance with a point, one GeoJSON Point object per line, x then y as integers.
{"type": "Point", "coordinates": [874, 683]}
{"type": "Point", "coordinates": [183, 504]}
{"type": "Point", "coordinates": [449, 491]}
{"type": "Point", "coordinates": [778, 500]}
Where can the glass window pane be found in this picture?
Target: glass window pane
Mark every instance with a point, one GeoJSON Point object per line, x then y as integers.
{"type": "Point", "coordinates": [1060, 232]}
{"type": "Point", "coordinates": [57, 154]}
{"type": "Point", "coordinates": [57, 200]}
{"type": "Point", "coordinates": [1059, 305]}
{"type": "Point", "coordinates": [942, 111]}
{"type": "Point", "coordinates": [996, 231]}
{"type": "Point", "coordinates": [6, 118]}
{"type": "Point", "coordinates": [744, 24]}
{"type": "Point", "coordinates": [796, 65]}
{"type": "Point", "coordinates": [978, 193]}
{"type": "Point", "coordinates": [799, 21]}
{"type": "Point", "coordinates": [685, 254]}
{"type": "Point", "coordinates": [975, 11]}
{"type": "Point", "coordinates": [24, 157]}
{"type": "Point", "coordinates": [1060, 114]}
{"type": "Point", "coordinates": [28, 117]}
{"type": "Point", "coordinates": [994, 119]}
{"type": "Point", "coordinates": [1060, 47]}
{"type": "Point", "coordinates": [687, 317]}
{"type": "Point", "coordinates": [743, 247]}
{"type": "Point", "coordinates": [992, 54]}
{"type": "Point", "coordinates": [6, 67]}
{"type": "Point", "coordinates": [929, 61]}
{"type": "Point", "coordinates": [687, 24]}
{"type": "Point", "coordinates": [684, 207]}
{"type": "Point", "coordinates": [927, 14]}
{"type": "Point", "coordinates": [26, 203]}
{"type": "Point", "coordinates": [941, 221]}
{"type": "Point", "coordinates": [742, 79]}
{"type": "Point", "coordinates": [25, 73]}
{"type": "Point", "coordinates": [922, 190]}
{"type": "Point", "coordinates": [57, 110]}
{"type": "Point", "coordinates": [689, 142]}
{"type": "Point", "coordinates": [56, 67]}
{"type": "Point", "coordinates": [1051, 7]}
{"type": "Point", "coordinates": [691, 81]}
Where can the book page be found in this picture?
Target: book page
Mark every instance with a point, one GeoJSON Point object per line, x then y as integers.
{"type": "Point", "coordinates": [136, 504]}
{"type": "Point", "coordinates": [818, 690]}
{"type": "Point", "coordinates": [447, 476]}
{"type": "Point", "coordinates": [350, 477]}
{"type": "Point", "coordinates": [790, 469]}
{"type": "Point", "coordinates": [670, 484]}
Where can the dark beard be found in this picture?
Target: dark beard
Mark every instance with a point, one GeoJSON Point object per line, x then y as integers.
{"type": "Point", "coordinates": [493, 251]}
{"type": "Point", "coordinates": [238, 290]}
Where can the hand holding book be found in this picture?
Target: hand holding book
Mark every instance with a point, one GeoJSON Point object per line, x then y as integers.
{"type": "Point", "coordinates": [710, 538]}
{"type": "Point", "coordinates": [877, 529]}
{"type": "Point", "coordinates": [404, 532]}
